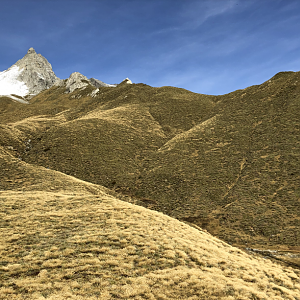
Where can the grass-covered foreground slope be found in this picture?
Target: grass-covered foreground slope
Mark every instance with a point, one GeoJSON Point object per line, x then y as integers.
{"type": "Point", "coordinates": [82, 243]}
{"type": "Point", "coordinates": [225, 163]}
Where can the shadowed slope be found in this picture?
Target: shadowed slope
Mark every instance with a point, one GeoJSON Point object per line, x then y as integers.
{"type": "Point", "coordinates": [19, 176]}
{"type": "Point", "coordinates": [237, 173]}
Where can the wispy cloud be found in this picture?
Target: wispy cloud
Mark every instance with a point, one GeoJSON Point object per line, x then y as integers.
{"type": "Point", "coordinates": [195, 13]}
{"type": "Point", "coordinates": [201, 11]}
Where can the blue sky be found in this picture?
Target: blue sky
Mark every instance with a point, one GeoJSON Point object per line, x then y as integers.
{"type": "Point", "coordinates": [205, 46]}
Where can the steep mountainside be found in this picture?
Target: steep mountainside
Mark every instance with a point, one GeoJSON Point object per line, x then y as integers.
{"type": "Point", "coordinates": [226, 163]}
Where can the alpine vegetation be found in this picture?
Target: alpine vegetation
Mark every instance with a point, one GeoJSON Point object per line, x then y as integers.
{"type": "Point", "coordinates": [126, 191]}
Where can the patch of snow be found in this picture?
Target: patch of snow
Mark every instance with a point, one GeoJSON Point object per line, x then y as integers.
{"type": "Point", "coordinates": [94, 93]}
{"type": "Point", "coordinates": [127, 80]}
{"type": "Point", "coordinates": [9, 83]}
{"type": "Point", "coordinates": [41, 76]}
{"type": "Point", "coordinates": [18, 99]}
{"type": "Point", "coordinates": [15, 98]}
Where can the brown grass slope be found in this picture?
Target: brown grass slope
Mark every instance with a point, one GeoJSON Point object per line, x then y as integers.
{"type": "Point", "coordinates": [114, 132]}
{"type": "Point", "coordinates": [226, 163]}
{"type": "Point", "coordinates": [238, 172]}
{"type": "Point", "coordinates": [63, 238]}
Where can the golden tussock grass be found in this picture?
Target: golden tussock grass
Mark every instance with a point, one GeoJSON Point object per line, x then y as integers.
{"type": "Point", "coordinates": [136, 117]}
{"type": "Point", "coordinates": [83, 246]}
{"type": "Point", "coordinates": [189, 134]}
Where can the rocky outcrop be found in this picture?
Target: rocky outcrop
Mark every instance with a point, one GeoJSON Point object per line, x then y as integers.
{"type": "Point", "coordinates": [36, 72]}
{"type": "Point", "coordinates": [98, 83]}
{"type": "Point", "coordinates": [127, 81]}
{"type": "Point", "coordinates": [76, 81]}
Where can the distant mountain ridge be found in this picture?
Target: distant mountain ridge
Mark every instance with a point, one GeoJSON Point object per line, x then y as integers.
{"type": "Point", "coordinates": [33, 74]}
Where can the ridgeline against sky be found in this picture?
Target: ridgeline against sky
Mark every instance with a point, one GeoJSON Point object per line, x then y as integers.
{"type": "Point", "coordinates": [210, 46]}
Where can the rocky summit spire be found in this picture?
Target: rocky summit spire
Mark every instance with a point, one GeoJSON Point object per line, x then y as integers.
{"type": "Point", "coordinates": [30, 51]}
{"type": "Point", "coordinates": [28, 76]}
{"type": "Point", "coordinates": [35, 72]}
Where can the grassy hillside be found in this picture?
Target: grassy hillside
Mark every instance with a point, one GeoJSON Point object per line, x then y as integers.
{"type": "Point", "coordinates": [236, 173]}
{"type": "Point", "coordinates": [228, 164]}
{"type": "Point", "coordinates": [78, 242]}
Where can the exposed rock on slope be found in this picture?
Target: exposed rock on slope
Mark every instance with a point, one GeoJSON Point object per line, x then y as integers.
{"type": "Point", "coordinates": [98, 83]}
{"type": "Point", "coordinates": [76, 81]}
{"type": "Point", "coordinates": [127, 80]}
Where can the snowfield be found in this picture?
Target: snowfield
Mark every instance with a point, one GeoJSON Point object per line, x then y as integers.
{"type": "Point", "coordinates": [9, 83]}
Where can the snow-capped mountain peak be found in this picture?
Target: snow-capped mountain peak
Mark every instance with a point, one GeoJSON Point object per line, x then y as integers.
{"type": "Point", "coordinates": [33, 74]}
{"type": "Point", "coordinates": [28, 76]}
{"type": "Point", "coordinates": [37, 72]}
